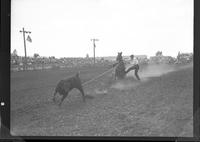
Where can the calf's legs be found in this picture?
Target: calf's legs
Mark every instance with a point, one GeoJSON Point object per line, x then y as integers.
{"type": "Point", "coordinates": [82, 92]}
{"type": "Point", "coordinates": [54, 96]}
{"type": "Point", "coordinates": [64, 96]}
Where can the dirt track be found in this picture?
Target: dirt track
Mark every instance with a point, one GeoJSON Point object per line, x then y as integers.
{"type": "Point", "coordinates": [156, 106]}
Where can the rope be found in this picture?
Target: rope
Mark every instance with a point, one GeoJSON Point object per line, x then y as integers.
{"type": "Point", "coordinates": [85, 83]}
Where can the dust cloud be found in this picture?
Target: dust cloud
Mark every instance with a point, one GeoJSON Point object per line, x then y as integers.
{"type": "Point", "coordinates": [145, 73]}
{"type": "Point", "coordinates": [155, 70]}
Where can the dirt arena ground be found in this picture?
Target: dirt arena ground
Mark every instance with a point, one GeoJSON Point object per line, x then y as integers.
{"type": "Point", "coordinates": [161, 104]}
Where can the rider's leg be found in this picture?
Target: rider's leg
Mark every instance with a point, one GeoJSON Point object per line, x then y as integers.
{"type": "Point", "coordinates": [136, 72]}
{"type": "Point", "coordinates": [131, 68]}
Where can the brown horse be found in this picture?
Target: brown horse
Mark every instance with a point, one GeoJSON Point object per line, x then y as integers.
{"type": "Point", "coordinates": [120, 71]}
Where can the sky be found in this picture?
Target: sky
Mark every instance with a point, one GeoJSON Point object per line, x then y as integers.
{"type": "Point", "coordinates": [64, 28]}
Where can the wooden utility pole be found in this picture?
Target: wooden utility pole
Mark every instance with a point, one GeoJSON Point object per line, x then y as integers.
{"type": "Point", "coordinates": [94, 47]}
{"type": "Point", "coordinates": [23, 31]}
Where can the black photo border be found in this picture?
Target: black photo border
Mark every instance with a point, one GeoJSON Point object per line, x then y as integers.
{"type": "Point", "coordinates": [5, 86]}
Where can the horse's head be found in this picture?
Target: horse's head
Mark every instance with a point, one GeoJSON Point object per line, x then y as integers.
{"type": "Point", "coordinates": [119, 56]}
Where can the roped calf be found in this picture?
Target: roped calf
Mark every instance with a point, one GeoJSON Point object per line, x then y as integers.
{"type": "Point", "coordinates": [65, 86]}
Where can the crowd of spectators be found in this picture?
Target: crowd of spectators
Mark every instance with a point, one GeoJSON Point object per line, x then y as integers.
{"type": "Point", "coordinates": [180, 59]}
{"type": "Point", "coordinates": [34, 63]}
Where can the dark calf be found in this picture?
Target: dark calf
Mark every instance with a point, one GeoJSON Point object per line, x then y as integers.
{"type": "Point", "coordinates": [65, 86]}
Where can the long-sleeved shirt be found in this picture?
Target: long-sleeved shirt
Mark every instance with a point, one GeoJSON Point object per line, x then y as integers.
{"type": "Point", "coordinates": [133, 62]}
